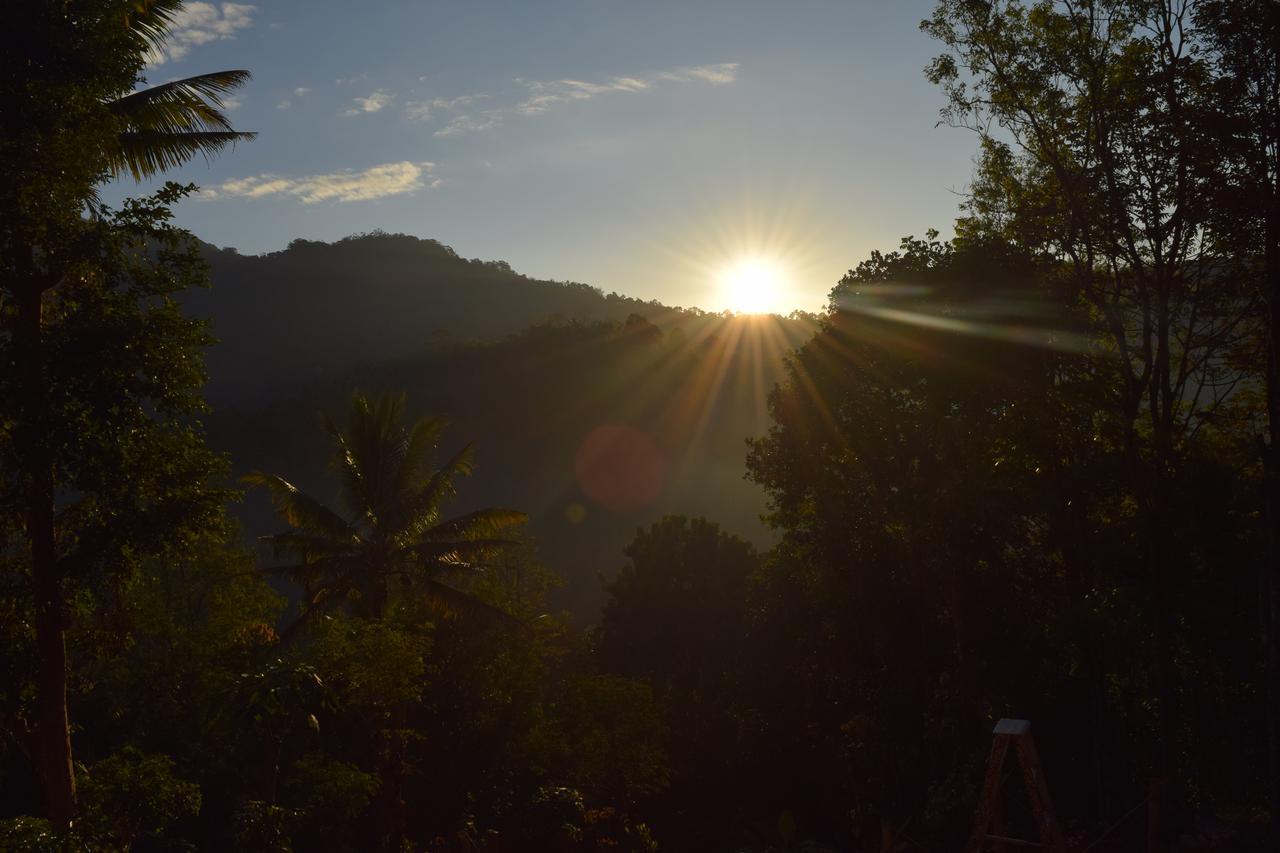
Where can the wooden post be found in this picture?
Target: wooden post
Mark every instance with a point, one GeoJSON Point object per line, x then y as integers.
{"type": "Point", "coordinates": [1157, 815]}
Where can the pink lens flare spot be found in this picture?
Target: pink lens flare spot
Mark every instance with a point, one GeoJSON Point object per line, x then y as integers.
{"type": "Point", "coordinates": [619, 468]}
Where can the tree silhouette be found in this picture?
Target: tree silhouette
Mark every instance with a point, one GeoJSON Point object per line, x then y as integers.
{"type": "Point", "coordinates": [393, 530]}
{"type": "Point", "coordinates": [165, 126]}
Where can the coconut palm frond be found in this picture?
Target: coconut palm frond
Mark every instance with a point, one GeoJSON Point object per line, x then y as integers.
{"type": "Point", "coordinates": [440, 486]}
{"type": "Point", "coordinates": [452, 603]}
{"type": "Point", "coordinates": [354, 491]}
{"type": "Point", "coordinates": [368, 450]}
{"type": "Point", "coordinates": [151, 20]}
{"type": "Point", "coordinates": [144, 154]}
{"type": "Point", "coordinates": [192, 104]}
{"type": "Point", "coordinates": [302, 511]}
{"type": "Point", "coordinates": [419, 446]}
{"type": "Point", "coordinates": [458, 555]}
{"type": "Point", "coordinates": [309, 548]}
{"type": "Point", "coordinates": [421, 510]}
{"type": "Point", "coordinates": [475, 525]}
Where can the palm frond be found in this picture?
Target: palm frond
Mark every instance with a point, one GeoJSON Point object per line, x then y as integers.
{"type": "Point", "coordinates": [191, 104]}
{"type": "Point", "coordinates": [355, 490]}
{"type": "Point", "coordinates": [377, 441]}
{"type": "Point", "coordinates": [146, 154]}
{"type": "Point", "coordinates": [164, 126]}
{"type": "Point", "coordinates": [150, 20]}
{"type": "Point", "coordinates": [474, 525]}
{"type": "Point", "coordinates": [450, 602]}
{"type": "Point", "coordinates": [302, 511]}
{"type": "Point", "coordinates": [339, 586]}
{"type": "Point", "coordinates": [467, 554]}
{"type": "Point", "coordinates": [419, 510]}
{"type": "Point", "coordinates": [307, 547]}
{"type": "Point", "coordinates": [419, 447]}
{"type": "Point", "coordinates": [365, 450]}
{"type": "Point", "coordinates": [440, 486]}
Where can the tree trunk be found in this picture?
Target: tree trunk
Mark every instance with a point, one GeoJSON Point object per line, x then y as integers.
{"type": "Point", "coordinates": [53, 731]}
{"type": "Point", "coordinates": [392, 773]}
{"type": "Point", "coordinates": [1271, 493]}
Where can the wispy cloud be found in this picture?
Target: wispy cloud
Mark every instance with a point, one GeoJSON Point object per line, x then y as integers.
{"type": "Point", "coordinates": [724, 72]}
{"type": "Point", "coordinates": [420, 111]}
{"type": "Point", "coordinates": [376, 100]}
{"type": "Point", "coordinates": [547, 93]}
{"type": "Point", "coordinates": [232, 103]}
{"type": "Point", "coordinates": [467, 123]}
{"type": "Point", "coordinates": [200, 23]}
{"type": "Point", "coordinates": [375, 182]}
{"type": "Point", "coordinates": [286, 103]}
{"type": "Point", "coordinates": [544, 95]}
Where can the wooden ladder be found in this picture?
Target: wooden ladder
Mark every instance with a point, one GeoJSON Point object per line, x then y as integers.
{"type": "Point", "coordinates": [988, 826]}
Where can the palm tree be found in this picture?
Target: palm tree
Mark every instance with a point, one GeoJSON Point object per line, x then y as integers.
{"type": "Point", "coordinates": [393, 530]}
{"type": "Point", "coordinates": [164, 126]}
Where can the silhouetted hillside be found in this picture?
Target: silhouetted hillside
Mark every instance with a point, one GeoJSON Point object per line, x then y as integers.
{"type": "Point", "coordinates": [315, 308]}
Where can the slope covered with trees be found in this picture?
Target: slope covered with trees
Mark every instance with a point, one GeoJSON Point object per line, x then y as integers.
{"type": "Point", "coordinates": [661, 416]}
{"type": "Point", "coordinates": [371, 298]}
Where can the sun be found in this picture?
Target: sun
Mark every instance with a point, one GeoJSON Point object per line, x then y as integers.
{"type": "Point", "coordinates": [752, 286]}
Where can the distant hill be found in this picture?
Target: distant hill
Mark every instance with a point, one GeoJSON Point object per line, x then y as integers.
{"type": "Point", "coordinates": [595, 414]}
{"type": "Point", "coordinates": [315, 308]}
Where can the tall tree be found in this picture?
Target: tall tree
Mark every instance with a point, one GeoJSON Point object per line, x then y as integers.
{"type": "Point", "coordinates": [1092, 118]}
{"type": "Point", "coordinates": [1242, 38]}
{"type": "Point", "coordinates": [102, 398]}
{"type": "Point", "coordinates": [393, 532]}
{"type": "Point", "coordinates": [894, 469]}
{"type": "Point", "coordinates": [676, 617]}
{"type": "Point", "coordinates": [68, 123]}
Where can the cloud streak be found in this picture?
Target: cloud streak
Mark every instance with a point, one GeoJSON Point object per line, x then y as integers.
{"type": "Point", "coordinates": [420, 111]}
{"type": "Point", "coordinates": [544, 95]}
{"type": "Point", "coordinates": [376, 182]}
{"type": "Point", "coordinates": [547, 93]}
{"type": "Point", "coordinates": [469, 123]}
{"type": "Point", "coordinates": [200, 23]}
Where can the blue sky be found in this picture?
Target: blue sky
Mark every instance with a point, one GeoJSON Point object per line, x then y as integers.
{"type": "Point", "coordinates": [642, 147]}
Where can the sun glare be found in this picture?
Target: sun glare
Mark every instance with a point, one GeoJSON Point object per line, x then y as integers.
{"type": "Point", "coordinates": [752, 286]}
